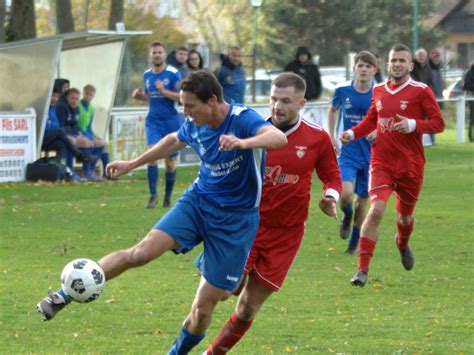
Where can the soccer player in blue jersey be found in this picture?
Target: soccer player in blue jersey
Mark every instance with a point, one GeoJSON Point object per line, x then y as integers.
{"type": "Point", "coordinates": [352, 99]}
{"type": "Point", "coordinates": [161, 91]}
{"type": "Point", "coordinates": [220, 209]}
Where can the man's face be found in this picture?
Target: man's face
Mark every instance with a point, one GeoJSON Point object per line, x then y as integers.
{"type": "Point", "coordinates": [157, 55]}
{"type": "Point", "coordinates": [73, 99]}
{"type": "Point", "coordinates": [181, 56]}
{"type": "Point", "coordinates": [88, 96]}
{"type": "Point", "coordinates": [421, 57]}
{"type": "Point", "coordinates": [435, 58]}
{"type": "Point", "coordinates": [285, 105]}
{"type": "Point", "coordinates": [235, 56]}
{"type": "Point", "coordinates": [364, 71]}
{"type": "Point", "coordinates": [399, 64]}
{"type": "Point", "coordinates": [200, 112]}
{"type": "Point", "coordinates": [303, 58]}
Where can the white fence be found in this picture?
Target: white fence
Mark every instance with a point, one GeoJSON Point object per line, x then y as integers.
{"type": "Point", "coordinates": [17, 144]}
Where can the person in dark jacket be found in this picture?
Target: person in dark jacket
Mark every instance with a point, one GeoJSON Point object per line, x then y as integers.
{"type": "Point", "coordinates": [421, 70]}
{"type": "Point", "coordinates": [304, 67]}
{"type": "Point", "coordinates": [231, 76]}
{"type": "Point", "coordinates": [177, 59]}
{"type": "Point", "coordinates": [468, 86]}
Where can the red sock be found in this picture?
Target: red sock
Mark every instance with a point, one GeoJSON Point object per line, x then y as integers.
{"type": "Point", "coordinates": [404, 233]}
{"type": "Point", "coordinates": [366, 250]}
{"type": "Point", "coordinates": [230, 334]}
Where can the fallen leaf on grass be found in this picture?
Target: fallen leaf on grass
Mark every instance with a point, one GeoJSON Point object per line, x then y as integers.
{"type": "Point", "coordinates": [111, 300]}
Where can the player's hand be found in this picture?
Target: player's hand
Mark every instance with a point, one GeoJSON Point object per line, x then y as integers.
{"type": "Point", "coordinates": [118, 168]}
{"type": "Point", "coordinates": [328, 206]}
{"type": "Point", "coordinates": [159, 85]}
{"type": "Point", "coordinates": [230, 142]}
{"type": "Point", "coordinates": [401, 125]}
{"type": "Point", "coordinates": [371, 136]}
{"type": "Point", "coordinates": [334, 145]}
{"type": "Point", "coordinates": [138, 94]}
{"type": "Point", "coordinates": [345, 137]}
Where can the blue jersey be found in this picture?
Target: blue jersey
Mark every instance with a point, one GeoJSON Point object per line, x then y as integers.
{"type": "Point", "coordinates": [228, 178]}
{"type": "Point", "coordinates": [160, 107]}
{"type": "Point", "coordinates": [353, 106]}
{"type": "Point", "coordinates": [233, 83]}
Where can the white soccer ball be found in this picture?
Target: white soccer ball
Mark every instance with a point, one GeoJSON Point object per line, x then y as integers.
{"type": "Point", "coordinates": [83, 280]}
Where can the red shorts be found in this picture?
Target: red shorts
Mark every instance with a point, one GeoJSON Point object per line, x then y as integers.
{"type": "Point", "coordinates": [272, 254]}
{"type": "Point", "coordinates": [406, 189]}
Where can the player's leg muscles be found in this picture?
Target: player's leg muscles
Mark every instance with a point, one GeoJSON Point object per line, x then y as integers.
{"type": "Point", "coordinates": [152, 246]}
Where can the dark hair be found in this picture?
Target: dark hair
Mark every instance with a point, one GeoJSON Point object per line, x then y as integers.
{"type": "Point", "coordinates": [400, 47]}
{"type": "Point", "coordinates": [201, 64]}
{"type": "Point", "coordinates": [366, 57]}
{"type": "Point", "coordinates": [157, 44]}
{"type": "Point", "coordinates": [288, 79]}
{"type": "Point", "coordinates": [182, 48]}
{"type": "Point", "coordinates": [203, 84]}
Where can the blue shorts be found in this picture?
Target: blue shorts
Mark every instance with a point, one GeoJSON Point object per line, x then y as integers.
{"type": "Point", "coordinates": [357, 173]}
{"type": "Point", "coordinates": [155, 130]}
{"type": "Point", "coordinates": [227, 235]}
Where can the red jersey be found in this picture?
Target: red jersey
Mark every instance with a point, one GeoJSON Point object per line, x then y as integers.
{"type": "Point", "coordinates": [402, 153]}
{"type": "Point", "coordinates": [288, 172]}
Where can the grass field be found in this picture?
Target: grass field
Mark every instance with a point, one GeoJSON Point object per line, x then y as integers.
{"type": "Point", "coordinates": [427, 310]}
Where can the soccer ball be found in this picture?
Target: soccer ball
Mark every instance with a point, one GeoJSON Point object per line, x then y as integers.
{"type": "Point", "coordinates": [83, 280]}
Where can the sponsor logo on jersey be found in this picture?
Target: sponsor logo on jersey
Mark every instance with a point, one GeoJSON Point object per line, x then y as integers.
{"type": "Point", "coordinates": [274, 176]}
{"type": "Point", "coordinates": [300, 151]}
{"type": "Point", "coordinates": [386, 124]}
{"type": "Point", "coordinates": [403, 104]}
{"type": "Point", "coordinates": [379, 106]}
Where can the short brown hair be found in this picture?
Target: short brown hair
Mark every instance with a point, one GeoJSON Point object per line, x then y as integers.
{"type": "Point", "coordinates": [366, 57]}
{"type": "Point", "coordinates": [288, 79]}
{"type": "Point", "coordinates": [157, 44]}
{"type": "Point", "coordinates": [89, 88]}
{"type": "Point", "coordinates": [400, 47]}
{"type": "Point", "coordinates": [73, 91]}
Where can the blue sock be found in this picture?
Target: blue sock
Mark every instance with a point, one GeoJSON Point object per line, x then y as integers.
{"type": "Point", "coordinates": [98, 153]}
{"type": "Point", "coordinates": [185, 342]}
{"type": "Point", "coordinates": [347, 211]}
{"type": "Point", "coordinates": [66, 297]}
{"type": "Point", "coordinates": [169, 184]}
{"type": "Point", "coordinates": [70, 161]}
{"type": "Point", "coordinates": [87, 167]}
{"type": "Point", "coordinates": [354, 237]}
{"type": "Point", "coordinates": [152, 174]}
{"type": "Point", "coordinates": [105, 159]}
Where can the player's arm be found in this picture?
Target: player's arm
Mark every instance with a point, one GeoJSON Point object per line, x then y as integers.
{"type": "Point", "coordinates": [267, 137]}
{"type": "Point", "coordinates": [169, 94]}
{"type": "Point", "coordinates": [164, 148]}
{"type": "Point", "coordinates": [363, 128]}
{"type": "Point", "coordinates": [140, 94]}
{"type": "Point", "coordinates": [328, 172]}
{"type": "Point", "coordinates": [332, 127]}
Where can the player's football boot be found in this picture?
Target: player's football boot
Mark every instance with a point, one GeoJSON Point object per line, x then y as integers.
{"type": "Point", "coordinates": [406, 256]}
{"type": "Point", "coordinates": [360, 278]}
{"type": "Point", "coordinates": [345, 227]}
{"type": "Point", "coordinates": [51, 305]}
{"type": "Point", "coordinates": [152, 201]}
{"type": "Point", "coordinates": [166, 203]}
{"type": "Point", "coordinates": [351, 250]}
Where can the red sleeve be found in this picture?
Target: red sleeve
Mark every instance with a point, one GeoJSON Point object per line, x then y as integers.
{"type": "Point", "coordinates": [368, 124]}
{"type": "Point", "coordinates": [327, 167]}
{"type": "Point", "coordinates": [433, 122]}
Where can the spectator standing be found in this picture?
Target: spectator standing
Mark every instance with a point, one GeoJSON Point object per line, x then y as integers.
{"type": "Point", "coordinates": [177, 59]}
{"type": "Point", "coordinates": [437, 81]}
{"type": "Point", "coordinates": [231, 75]}
{"type": "Point", "coordinates": [161, 91]}
{"type": "Point", "coordinates": [421, 70]}
{"type": "Point", "coordinates": [195, 61]}
{"type": "Point", "coordinates": [378, 76]}
{"type": "Point", "coordinates": [309, 71]}
{"type": "Point", "coordinates": [468, 86]}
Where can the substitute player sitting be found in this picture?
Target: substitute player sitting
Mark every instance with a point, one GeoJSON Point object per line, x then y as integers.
{"type": "Point", "coordinates": [352, 100]}
{"type": "Point", "coordinates": [402, 110]}
{"type": "Point", "coordinates": [285, 203]}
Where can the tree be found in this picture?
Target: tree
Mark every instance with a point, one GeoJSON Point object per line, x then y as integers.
{"type": "Point", "coordinates": [22, 23]}
{"type": "Point", "coordinates": [116, 13]}
{"type": "Point", "coordinates": [2, 21]}
{"type": "Point", "coordinates": [64, 19]}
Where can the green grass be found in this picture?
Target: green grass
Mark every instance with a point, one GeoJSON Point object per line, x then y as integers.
{"type": "Point", "coordinates": [427, 310]}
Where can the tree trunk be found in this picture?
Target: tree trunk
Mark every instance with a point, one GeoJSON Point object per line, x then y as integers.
{"type": "Point", "coordinates": [22, 23]}
{"type": "Point", "coordinates": [64, 19]}
{"type": "Point", "coordinates": [116, 13]}
{"type": "Point", "coordinates": [2, 21]}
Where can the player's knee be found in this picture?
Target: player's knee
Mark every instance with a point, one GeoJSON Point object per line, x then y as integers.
{"type": "Point", "coordinates": [201, 315]}
{"type": "Point", "coordinates": [405, 220]}
{"type": "Point", "coordinates": [375, 214]}
{"type": "Point", "coordinates": [346, 199]}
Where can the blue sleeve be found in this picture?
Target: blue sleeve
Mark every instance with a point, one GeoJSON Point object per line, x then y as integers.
{"type": "Point", "coordinates": [61, 113]}
{"type": "Point", "coordinates": [336, 99]}
{"type": "Point", "coordinates": [183, 132]}
{"type": "Point", "coordinates": [177, 81]}
{"type": "Point", "coordinates": [252, 122]}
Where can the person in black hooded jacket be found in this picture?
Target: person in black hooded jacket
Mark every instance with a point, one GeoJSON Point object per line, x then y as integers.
{"type": "Point", "coordinates": [304, 67]}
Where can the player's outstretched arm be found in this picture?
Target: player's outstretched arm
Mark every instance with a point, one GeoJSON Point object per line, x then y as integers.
{"type": "Point", "coordinates": [140, 94]}
{"type": "Point", "coordinates": [160, 150]}
{"type": "Point", "coordinates": [268, 137]}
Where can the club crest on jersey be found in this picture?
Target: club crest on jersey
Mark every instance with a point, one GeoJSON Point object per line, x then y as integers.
{"type": "Point", "coordinates": [403, 104]}
{"type": "Point", "coordinates": [348, 104]}
{"type": "Point", "coordinates": [166, 81]}
{"type": "Point", "coordinates": [379, 106]}
{"type": "Point", "coordinates": [300, 151]}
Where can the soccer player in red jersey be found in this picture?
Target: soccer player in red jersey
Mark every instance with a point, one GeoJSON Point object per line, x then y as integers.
{"type": "Point", "coordinates": [401, 110]}
{"type": "Point", "coordinates": [284, 206]}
